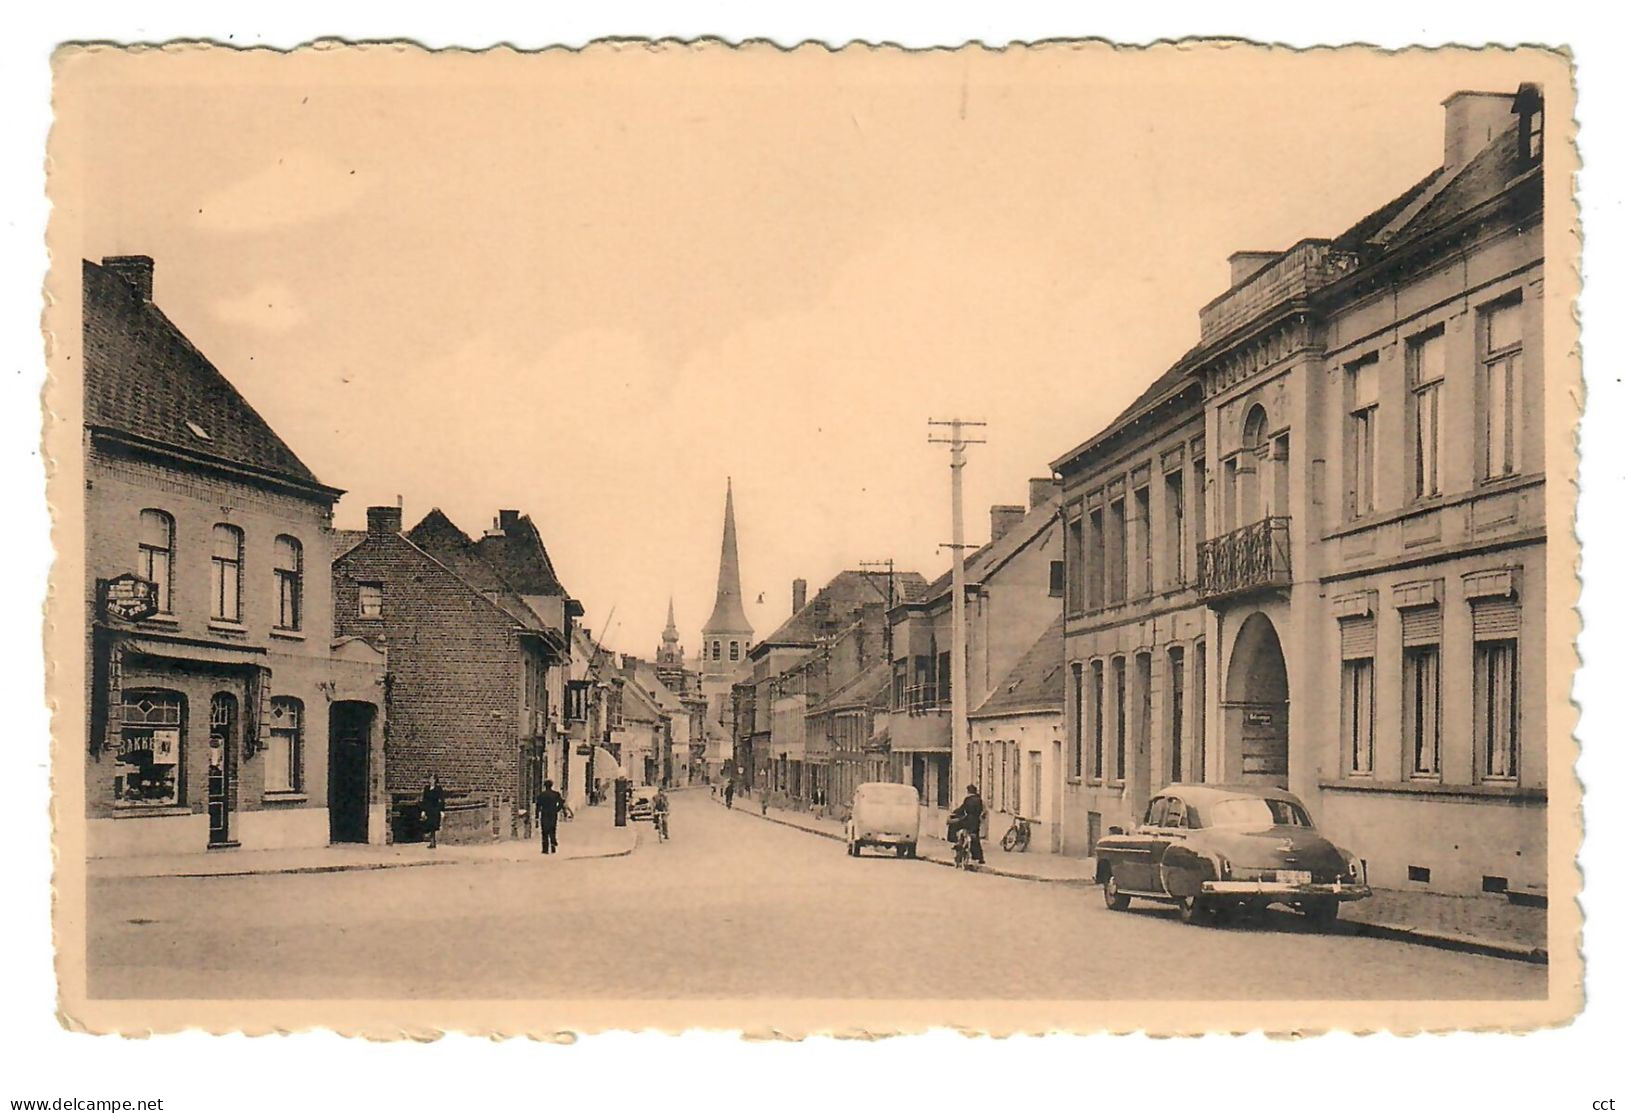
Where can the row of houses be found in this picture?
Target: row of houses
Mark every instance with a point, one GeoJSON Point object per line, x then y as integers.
{"type": "Point", "coordinates": [257, 678]}
{"type": "Point", "coordinates": [1310, 554]}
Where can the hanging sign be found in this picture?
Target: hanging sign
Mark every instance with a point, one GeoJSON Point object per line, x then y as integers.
{"type": "Point", "coordinates": [130, 598]}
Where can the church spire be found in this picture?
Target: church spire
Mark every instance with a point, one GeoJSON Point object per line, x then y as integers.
{"type": "Point", "coordinates": [670, 633]}
{"type": "Point", "coordinates": [728, 616]}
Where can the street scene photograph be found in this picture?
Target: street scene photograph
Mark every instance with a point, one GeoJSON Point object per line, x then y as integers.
{"type": "Point", "coordinates": [688, 532]}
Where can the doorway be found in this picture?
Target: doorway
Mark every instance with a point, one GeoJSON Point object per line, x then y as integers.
{"type": "Point", "coordinates": [223, 720]}
{"type": "Point", "coordinates": [349, 730]}
{"type": "Point", "coordinates": [1255, 708]}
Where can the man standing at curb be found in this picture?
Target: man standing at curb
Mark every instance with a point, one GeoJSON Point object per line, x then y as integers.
{"type": "Point", "coordinates": [548, 806]}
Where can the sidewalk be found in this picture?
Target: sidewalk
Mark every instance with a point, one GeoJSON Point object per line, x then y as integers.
{"type": "Point", "coordinates": [1483, 925]}
{"type": "Point", "coordinates": [591, 834]}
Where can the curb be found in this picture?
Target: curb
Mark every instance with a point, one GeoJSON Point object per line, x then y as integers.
{"type": "Point", "coordinates": [1400, 933]}
{"type": "Point", "coordinates": [993, 870]}
{"type": "Point", "coordinates": [360, 867]}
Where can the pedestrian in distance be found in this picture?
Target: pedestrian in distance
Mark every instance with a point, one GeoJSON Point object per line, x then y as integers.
{"type": "Point", "coordinates": [968, 818]}
{"type": "Point", "coordinates": [549, 805]}
{"type": "Point", "coordinates": [728, 794]}
{"type": "Point", "coordinates": [433, 805]}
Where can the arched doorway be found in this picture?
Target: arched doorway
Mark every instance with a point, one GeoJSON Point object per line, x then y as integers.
{"type": "Point", "coordinates": [1255, 708]}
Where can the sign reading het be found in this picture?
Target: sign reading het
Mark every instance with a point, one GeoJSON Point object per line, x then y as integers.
{"type": "Point", "coordinates": [130, 598]}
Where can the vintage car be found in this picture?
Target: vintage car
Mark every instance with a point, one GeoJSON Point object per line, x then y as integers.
{"type": "Point", "coordinates": [1216, 848]}
{"type": "Point", "coordinates": [641, 805]}
{"type": "Point", "coordinates": [886, 815]}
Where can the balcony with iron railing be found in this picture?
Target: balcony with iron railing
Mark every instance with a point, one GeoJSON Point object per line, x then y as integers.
{"type": "Point", "coordinates": [1256, 557]}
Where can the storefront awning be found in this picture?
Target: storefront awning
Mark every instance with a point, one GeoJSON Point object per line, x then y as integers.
{"type": "Point", "coordinates": [193, 649]}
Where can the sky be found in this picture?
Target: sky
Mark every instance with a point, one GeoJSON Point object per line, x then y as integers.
{"type": "Point", "coordinates": [595, 287]}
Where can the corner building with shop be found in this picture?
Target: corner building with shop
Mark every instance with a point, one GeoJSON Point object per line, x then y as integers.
{"type": "Point", "coordinates": [1369, 540]}
{"type": "Point", "coordinates": [222, 711]}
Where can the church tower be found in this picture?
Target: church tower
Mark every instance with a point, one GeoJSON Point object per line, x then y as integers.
{"type": "Point", "coordinates": [727, 634]}
{"type": "Point", "coordinates": [669, 657]}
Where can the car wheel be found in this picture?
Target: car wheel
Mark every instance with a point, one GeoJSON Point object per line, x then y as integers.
{"type": "Point", "coordinates": [1194, 910]}
{"type": "Point", "coordinates": [1321, 913]}
{"type": "Point", "coordinates": [911, 851]}
{"type": "Point", "coordinates": [1115, 900]}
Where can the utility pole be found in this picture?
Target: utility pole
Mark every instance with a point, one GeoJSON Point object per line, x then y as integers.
{"type": "Point", "coordinates": [890, 568]}
{"type": "Point", "coordinates": [958, 668]}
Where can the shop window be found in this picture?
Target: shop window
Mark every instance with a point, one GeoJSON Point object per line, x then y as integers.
{"type": "Point", "coordinates": [226, 572]}
{"type": "Point", "coordinates": [156, 553]}
{"type": "Point", "coordinates": [284, 758]}
{"type": "Point", "coordinates": [149, 750]}
{"type": "Point", "coordinates": [290, 572]}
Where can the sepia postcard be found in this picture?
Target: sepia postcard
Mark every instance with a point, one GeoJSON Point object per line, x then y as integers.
{"type": "Point", "coordinates": [683, 535]}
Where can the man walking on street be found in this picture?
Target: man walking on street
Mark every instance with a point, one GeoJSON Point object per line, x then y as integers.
{"type": "Point", "coordinates": [968, 818]}
{"type": "Point", "coordinates": [728, 794]}
{"type": "Point", "coordinates": [548, 806]}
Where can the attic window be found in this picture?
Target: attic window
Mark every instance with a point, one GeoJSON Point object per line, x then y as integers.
{"type": "Point", "coordinates": [1531, 109]}
{"type": "Point", "coordinates": [198, 431]}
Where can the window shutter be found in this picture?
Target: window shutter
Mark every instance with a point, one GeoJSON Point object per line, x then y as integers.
{"type": "Point", "coordinates": [1495, 618]}
{"type": "Point", "coordinates": [1420, 626]}
{"type": "Point", "coordinates": [1359, 638]}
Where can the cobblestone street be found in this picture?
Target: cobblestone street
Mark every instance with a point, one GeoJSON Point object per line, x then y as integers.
{"type": "Point", "coordinates": [731, 908]}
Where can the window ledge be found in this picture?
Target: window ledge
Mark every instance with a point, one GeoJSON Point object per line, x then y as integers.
{"type": "Point", "coordinates": [287, 635]}
{"type": "Point", "coordinates": [284, 798]}
{"type": "Point", "coordinates": [226, 626]}
{"type": "Point", "coordinates": [1435, 788]}
{"type": "Point", "coordinates": [147, 811]}
{"type": "Point", "coordinates": [162, 621]}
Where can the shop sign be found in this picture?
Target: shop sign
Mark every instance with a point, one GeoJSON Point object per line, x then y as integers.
{"type": "Point", "coordinates": [1260, 718]}
{"type": "Point", "coordinates": [130, 598]}
{"type": "Point", "coordinates": [162, 744]}
{"type": "Point", "coordinates": [584, 750]}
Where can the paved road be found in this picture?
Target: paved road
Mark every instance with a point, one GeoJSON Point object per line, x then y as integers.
{"type": "Point", "coordinates": [732, 907]}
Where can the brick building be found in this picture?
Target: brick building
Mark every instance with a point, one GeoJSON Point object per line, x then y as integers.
{"type": "Point", "coordinates": [1015, 744]}
{"type": "Point", "coordinates": [223, 712]}
{"type": "Point", "coordinates": [477, 674]}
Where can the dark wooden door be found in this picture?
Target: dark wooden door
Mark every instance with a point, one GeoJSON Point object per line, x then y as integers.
{"type": "Point", "coordinates": [349, 727]}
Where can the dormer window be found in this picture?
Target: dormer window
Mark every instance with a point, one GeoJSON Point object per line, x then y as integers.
{"type": "Point", "coordinates": [1531, 109]}
{"type": "Point", "coordinates": [198, 431]}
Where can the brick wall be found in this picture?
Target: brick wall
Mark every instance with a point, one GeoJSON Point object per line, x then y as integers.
{"type": "Point", "coordinates": [454, 660]}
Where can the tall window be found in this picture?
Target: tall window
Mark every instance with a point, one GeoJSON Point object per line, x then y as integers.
{"type": "Point", "coordinates": [1120, 700]}
{"type": "Point", "coordinates": [226, 569]}
{"type": "Point", "coordinates": [1424, 359]}
{"type": "Point", "coordinates": [1075, 599]}
{"type": "Point", "coordinates": [716, 650]}
{"type": "Point", "coordinates": [1057, 578]}
{"type": "Point", "coordinates": [1421, 683]}
{"type": "Point", "coordinates": [370, 599]}
{"type": "Point", "coordinates": [1495, 714]}
{"type": "Point", "coordinates": [149, 749]}
{"type": "Point", "coordinates": [1078, 711]}
{"type": "Point", "coordinates": [290, 573]}
{"type": "Point", "coordinates": [1502, 389]}
{"type": "Point", "coordinates": [1199, 497]}
{"type": "Point", "coordinates": [1097, 711]}
{"type": "Point", "coordinates": [1176, 714]}
{"type": "Point", "coordinates": [1173, 529]}
{"type": "Point", "coordinates": [1095, 561]}
{"type": "Point", "coordinates": [283, 756]}
{"type": "Point", "coordinates": [1195, 764]}
{"type": "Point", "coordinates": [1117, 543]}
{"type": "Point", "coordinates": [1362, 437]}
{"type": "Point", "coordinates": [1359, 650]}
{"type": "Point", "coordinates": [733, 651]}
{"type": "Point", "coordinates": [1142, 540]}
{"type": "Point", "coordinates": [155, 560]}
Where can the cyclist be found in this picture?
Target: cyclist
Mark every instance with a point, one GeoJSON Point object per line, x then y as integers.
{"type": "Point", "coordinates": [662, 811]}
{"type": "Point", "coordinates": [968, 818]}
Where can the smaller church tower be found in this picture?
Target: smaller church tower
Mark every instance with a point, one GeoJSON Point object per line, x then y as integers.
{"type": "Point", "coordinates": [669, 657]}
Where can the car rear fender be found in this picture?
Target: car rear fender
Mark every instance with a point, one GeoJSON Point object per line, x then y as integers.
{"type": "Point", "coordinates": [1184, 868]}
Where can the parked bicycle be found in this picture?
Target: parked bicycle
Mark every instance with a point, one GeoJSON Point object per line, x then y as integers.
{"type": "Point", "coordinates": [661, 827]}
{"type": "Point", "coordinates": [1020, 834]}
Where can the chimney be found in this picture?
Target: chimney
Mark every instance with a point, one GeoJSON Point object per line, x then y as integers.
{"type": "Point", "coordinates": [135, 270]}
{"type": "Point", "coordinates": [1005, 517]}
{"type": "Point", "coordinates": [1245, 264]}
{"type": "Point", "coordinates": [508, 521]}
{"type": "Point", "coordinates": [1039, 490]}
{"type": "Point", "coordinates": [382, 520]}
{"type": "Point", "coordinates": [798, 595]}
{"type": "Point", "coordinates": [1471, 121]}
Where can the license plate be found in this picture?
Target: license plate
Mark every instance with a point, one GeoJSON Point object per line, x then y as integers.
{"type": "Point", "coordinates": [1293, 877]}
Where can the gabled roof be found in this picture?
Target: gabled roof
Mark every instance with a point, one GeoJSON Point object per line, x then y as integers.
{"type": "Point", "coordinates": [1037, 683]}
{"type": "Point", "coordinates": [837, 602]}
{"type": "Point", "coordinates": [440, 537]}
{"type": "Point", "coordinates": [144, 379]}
{"type": "Point", "coordinates": [346, 539]}
{"type": "Point", "coordinates": [519, 555]}
{"type": "Point", "coordinates": [987, 560]}
{"type": "Point", "coordinates": [866, 688]}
